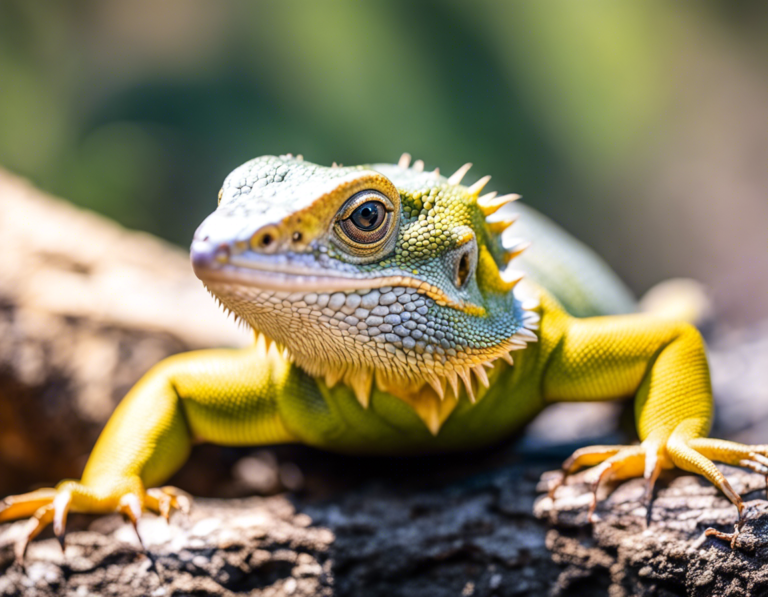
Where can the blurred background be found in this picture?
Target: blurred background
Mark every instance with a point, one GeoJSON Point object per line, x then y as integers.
{"type": "Point", "coordinates": [641, 127]}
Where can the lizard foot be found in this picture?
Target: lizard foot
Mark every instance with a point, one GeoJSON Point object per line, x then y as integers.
{"type": "Point", "coordinates": [682, 448]}
{"type": "Point", "coordinates": [49, 505]}
{"type": "Point", "coordinates": [582, 458]}
{"type": "Point", "coordinates": [609, 462]}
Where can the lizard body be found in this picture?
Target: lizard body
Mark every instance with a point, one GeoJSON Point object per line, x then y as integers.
{"type": "Point", "coordinates": [391, 319]}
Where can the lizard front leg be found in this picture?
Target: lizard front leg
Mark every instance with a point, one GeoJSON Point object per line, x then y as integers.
{"type": "Point", "coordinates": [663, 364]}
{"type": "Point", "coordinates": [222, 396]}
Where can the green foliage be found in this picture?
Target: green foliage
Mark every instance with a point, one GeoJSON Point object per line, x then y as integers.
{"type": "Point", "coordinates": [139, 109]}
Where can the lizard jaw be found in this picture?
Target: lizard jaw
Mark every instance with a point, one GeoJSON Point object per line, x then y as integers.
{"type": "Point", "coordinates": [216, 265]}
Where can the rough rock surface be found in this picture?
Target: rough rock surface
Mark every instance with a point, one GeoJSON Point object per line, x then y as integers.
{"type": "Point", "coordinates": [86, 308]}
{"type": "Point", "coordinates": [474, 536]}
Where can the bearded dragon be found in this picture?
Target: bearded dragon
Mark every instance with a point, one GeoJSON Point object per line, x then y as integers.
{"type": "Point", "coordinates": [396, 313]}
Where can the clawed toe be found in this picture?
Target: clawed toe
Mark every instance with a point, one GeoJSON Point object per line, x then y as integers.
{"type": "Point", "coordinates": [681, 448]}
{"type": "Point", "coordinates": [626, 462]}
{"type": "Point", "coordinates": [25, 505]}
{"type": "Point", "coordinates": [600, 472]}
{"type": "Point", "coordinates": [61, 504]}
{"type": "Point", "coordinates": [581, 458]}
{"type": "Point", "coordinates": [730, 538]}
{"type": "Point", "coordinates": [51, 506]}
{"type": "Point", "coordinates": [41, 508]}
{"type": "Point", "coordinates": [40, 519]}
{"type": "Point", "coordinates": [555, 484]}
{"type": "Point", "coordinates": [759, 464]}
{"type": "Point", "coordinates": [164, 500]}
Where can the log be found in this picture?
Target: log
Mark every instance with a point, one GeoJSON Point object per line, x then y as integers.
{"type": "Point", "coordinates": [480, 535]}
{"type": "Point", "coordinates": [86, 307]}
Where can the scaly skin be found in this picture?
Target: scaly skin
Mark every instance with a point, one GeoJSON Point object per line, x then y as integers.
{"type": "Point", "coordinates": [387, 320]}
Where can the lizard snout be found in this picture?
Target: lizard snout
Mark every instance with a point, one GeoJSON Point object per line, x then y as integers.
{"type": "Point", "coordinates": [207, 255]}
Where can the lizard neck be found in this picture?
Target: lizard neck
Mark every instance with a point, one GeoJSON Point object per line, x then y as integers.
{"type": "Point", "coordinates": [432, 386]}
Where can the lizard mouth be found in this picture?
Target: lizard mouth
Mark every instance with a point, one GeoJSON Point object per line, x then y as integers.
{"type": "Point", "coordinates": [213, 266]}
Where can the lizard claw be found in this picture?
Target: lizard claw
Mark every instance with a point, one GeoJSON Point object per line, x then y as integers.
{"type": "Point", "coordinates": [61, 504]}
{"type": "Point", "coordinates": [759, 464]}
{"type": "Point", "coordinates": [618, 462]}
{"type": "Point", "coordinates": [130, 507]}
{"type": "Point", "coordinates": [581, 458]}
{"type": "Point", "coordinates": [681, 448]}
{"type": "Point", "coordinates": [731, 538]}
{"type": "Point", "coordinates": [164, 500]}
{"type": "Point", "coordinates": [607, 469]}
{"type": "Point", "coordinates": [40, 519]}
{"type": "Point", "coordinates": [556, 484]}
{"type": "Point", "coordinates": [51, 506]}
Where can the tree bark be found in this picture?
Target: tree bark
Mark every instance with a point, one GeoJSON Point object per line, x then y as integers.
{"type": "Point", "coordinates": [476, 536]}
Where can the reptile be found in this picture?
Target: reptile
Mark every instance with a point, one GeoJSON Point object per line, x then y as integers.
{"type": "Point", "coordinates": [397, 311]}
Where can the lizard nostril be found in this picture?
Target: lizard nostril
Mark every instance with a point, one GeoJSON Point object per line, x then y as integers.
{"type": "Point", "coordinates": [265, 240]}
{"type": "Point", "coordinates": [222, 254]}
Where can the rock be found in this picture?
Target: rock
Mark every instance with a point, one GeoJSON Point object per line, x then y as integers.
{"type": "Point", "coordinates": [621, 555]}
{"type": "Point", "coordinates": [232, 547]}
{"type": "Point", "coordinates": [476, 535]}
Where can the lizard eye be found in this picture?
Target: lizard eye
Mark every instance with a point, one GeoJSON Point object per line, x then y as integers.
{"type": "Point", "coordinates": [364, 225]}
{"type": "Point", "coordinates": [221, 192]}
{"type": "Point", "coordinates": [368, 216]}
{"type": "Point", "coordinates": [365, 220]}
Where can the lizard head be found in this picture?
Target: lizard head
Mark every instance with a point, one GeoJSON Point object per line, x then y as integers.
{"type": "Point", "coordinates": [382, 273]}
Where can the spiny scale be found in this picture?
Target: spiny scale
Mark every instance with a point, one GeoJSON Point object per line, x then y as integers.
{"type": "Point", "coordinates": [476, 188]}
{"type": "Point", "coordinates": [479, 371]}
{"type": "Point", "coordinates": [526, 333]}
{"type": "Point", "coordinates": [490, 203]}
{"type": "Point", "coordinates": [499, 226]}
{"type": "Point", "coordinates": [264, 340]}
{"type": "Point", "coordinates": [467, 379]}
{"type": "Point", "coordinates": [515, 249]}
{"type": "Point", "coordinates": [457, 176]}
{"type": "Point", "coordinates": [332, 377]}
{"type": "Point", "coordinates": [437, 385]}
{"type": "Point", "coordinates": [404, 161]}
{"type": "Point", "coordinates": [361, 385]}
{"type": "Point", "coordinates": [452, 378]}
{"type": "Point", "coordinates": [430, 401]}
{"type": "Point", "coordinates": [510, 278]}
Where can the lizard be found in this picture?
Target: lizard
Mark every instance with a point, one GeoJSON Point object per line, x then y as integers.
{"type": "Point", "coordinates": [397, 311]}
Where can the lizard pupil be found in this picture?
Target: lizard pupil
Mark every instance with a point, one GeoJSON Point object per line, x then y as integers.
{"type": "Point", "coordinates": [365, 221]}
{"type": "Point", "coordinates": [368, 216]}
